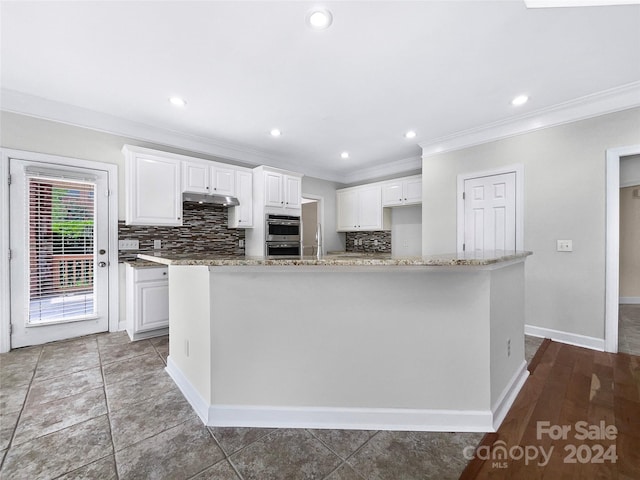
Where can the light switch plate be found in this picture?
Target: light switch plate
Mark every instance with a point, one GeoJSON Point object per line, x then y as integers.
{"type": "Point", "coordinates": [565, 246]}
{"type": "Point", "coordinates": [128, 244]}
{"type": "Point", "coordinates": [157, 244]}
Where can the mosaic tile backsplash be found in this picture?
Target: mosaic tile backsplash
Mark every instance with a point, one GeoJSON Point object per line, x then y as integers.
{"type": "Point", "coordinates": [368, 241]}
{"type": "Point", "coordinates": [204, 229]}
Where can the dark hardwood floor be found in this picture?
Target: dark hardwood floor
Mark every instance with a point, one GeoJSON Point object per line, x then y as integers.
{"type": "Point", "coordinates": [577, 417]}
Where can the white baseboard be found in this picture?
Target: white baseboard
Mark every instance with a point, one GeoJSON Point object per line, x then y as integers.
{"type": "Point", "coordinates": [629, 300]}
{"type": "Point", "coordinates": [565, 337]}
{"type": "Point", "coordinates": [351, 418]}
{"type": "Point", "coordinates": [433, 420]}
{"type": "Point", "coordinates": [502, 405]}
{"type": "Point", "coordinates": [199, 404]}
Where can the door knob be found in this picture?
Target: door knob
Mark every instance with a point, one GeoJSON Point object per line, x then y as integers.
{"type": "Point", "coordinates": [102, 264]}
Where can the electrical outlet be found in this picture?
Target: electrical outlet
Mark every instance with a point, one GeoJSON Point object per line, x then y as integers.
{"type": "Point", "coordinates": [241, 243]}
{"type": "Point", "coordinates": [375, 243]}
{"type": "Point", "coordinates": [128, 244]}
{"type": "Point", "coordinates": [508, 347]}
{"type": "Point", "coordinates": [157, 244]}
{"type": "Point", "coordinates": [355, 242]}
{"type": "Point", "coordinates": [360, 242]}
{"type": "Point", "coordinates": [564, 246]}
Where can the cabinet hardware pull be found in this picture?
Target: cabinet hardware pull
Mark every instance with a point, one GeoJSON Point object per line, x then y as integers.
{"type": "Point", "coordinates": [164, 273]}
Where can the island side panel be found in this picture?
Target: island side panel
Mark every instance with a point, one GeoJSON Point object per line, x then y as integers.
{"type": "Point", "coordinates": [190, 327]}
{"type": "Point", "coordinates": [507, 323]}
{"type": "Point", "coordinates": [412, 339]}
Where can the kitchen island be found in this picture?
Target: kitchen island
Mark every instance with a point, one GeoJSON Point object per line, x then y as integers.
{"type": "Point", "coordinates": [420, 343]}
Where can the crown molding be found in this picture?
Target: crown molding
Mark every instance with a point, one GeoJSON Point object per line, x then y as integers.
{"type": "Point", "coordinates": [577, 3]}
{"type": "Point", "coordinates": [398, 167]}
{"type": "Point", "coordinates": [38, 107]}
{"type": "Point", "coordinates": [600, 103]}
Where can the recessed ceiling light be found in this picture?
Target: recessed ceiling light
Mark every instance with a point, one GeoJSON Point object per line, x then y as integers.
{"type": "Point", "coordinates": [319, 19]}
{"type": "Point", "coordinates": [275, 132]}
{"type": "Point", "coordinates": [519, 100]}
{"type": "Point", "coordinates": [177, 101]}
{"type": "Point", "coordinates": [344, 155]}
{"type": "Point", "coordinates": [410, 134]}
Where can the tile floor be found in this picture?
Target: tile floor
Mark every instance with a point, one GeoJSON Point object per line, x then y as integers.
{"type": "Point", "coordinates": [101, 407]}
{"type": "Point", "coordinates": [629, 329]}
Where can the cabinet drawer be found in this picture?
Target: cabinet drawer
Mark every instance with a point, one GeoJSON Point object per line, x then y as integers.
{"type": "Point", "coordinates": [149, 274]}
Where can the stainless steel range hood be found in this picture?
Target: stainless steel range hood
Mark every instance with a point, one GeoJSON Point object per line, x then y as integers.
{"type": "Point", "coordinates": [220, 200]}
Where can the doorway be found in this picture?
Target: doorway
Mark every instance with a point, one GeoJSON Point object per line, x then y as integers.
{"type": "Point", "coordinates": [490, 210]}
{"type": "Point", "coordinates": [62, 268]}
{"type": "Point", "coordinates": [612, 254]}
{"type": "Point", "coordinates": [312, 216]}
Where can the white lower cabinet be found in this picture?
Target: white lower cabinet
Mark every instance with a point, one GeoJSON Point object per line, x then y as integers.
{"type": "Point", "coordinates": [147, 301]}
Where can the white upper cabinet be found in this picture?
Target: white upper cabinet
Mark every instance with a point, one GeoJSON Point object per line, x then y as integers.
{"type": "Point", "coordinates": [292, 192]}
{"type": "Point", "coordinates": [402, 191]}
{"type": "Point", "coordinates": [195, 177]}
{"type": "Point", "coordinates": [273, 194]}
{"type": "Point", "coordinates": [153, 193]}
{"type": "Point", "coordinates": [360, 209]}
{"type": "Point", "coordinates": [223, 180]}
{"type": "Point", "coordinates": [208, 177]}
{"type": "Point", "coordinates": [282, 191]}
{"type": "Point", "coordinates": [242, 215]}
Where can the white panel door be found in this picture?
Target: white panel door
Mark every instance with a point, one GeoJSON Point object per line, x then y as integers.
{"type": "Point", "coordinates": [490, 213]}
{"type": "Point", "coordinates": [59, 222]}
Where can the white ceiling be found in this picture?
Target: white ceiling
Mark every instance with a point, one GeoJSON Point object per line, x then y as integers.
{"type": "Point", "coordinates": [382, 68]}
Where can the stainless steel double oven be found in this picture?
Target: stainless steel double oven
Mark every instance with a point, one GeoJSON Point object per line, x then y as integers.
{"type": "Point", "coordinates": [283, 236]}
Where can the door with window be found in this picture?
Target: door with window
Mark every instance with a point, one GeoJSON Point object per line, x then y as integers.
{"type": "Point", "coordinates": [59, 259]}
{"type": "Point", "coordinates": [490, 213]}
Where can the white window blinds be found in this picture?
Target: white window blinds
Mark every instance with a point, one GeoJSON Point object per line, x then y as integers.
{"type": "Point", "coordinates": [61, 249]}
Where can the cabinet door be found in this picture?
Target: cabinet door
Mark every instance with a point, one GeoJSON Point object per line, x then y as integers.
{"type": "Point", "coordinates": [392, 194]}
{"type": "Point", "coordinates": [292, 193]}
{"type": "Point", "coordinates": [273, 190]}
{"type": "Point", "coordinates": [347, 210]}
{"type": "Point", "coordinates": [413, 191]}
{"type": "Point", "coordinates": [242, 215]}
{"type": "Point", "coordinates": [153, 305]}
{"type": "Point", "coordinates": [195, 177]}
{"type": "Point", "coordinates": [223, 181]}
{"type": "Point", "coordinates": [154, 195]}
{"type": "Point", "coordinates": [370, 208]}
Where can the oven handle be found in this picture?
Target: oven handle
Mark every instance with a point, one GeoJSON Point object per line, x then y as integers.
{"type": "Point", "coordinates": [285, 223]}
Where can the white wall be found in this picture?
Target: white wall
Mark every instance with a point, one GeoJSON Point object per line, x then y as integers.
{"type": "Point", "coordinates": [406, 231]}
{"type": "Point", "coordinates": [564, 176]}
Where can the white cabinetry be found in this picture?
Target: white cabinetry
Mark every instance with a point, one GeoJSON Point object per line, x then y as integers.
{"type": "Point", "coordinates": [276, 192]}
{"type": "Point", "coordinates": [282, 191]}
{"type": "Point", "coordinates": [360, 209]}
{"type": "Point", "coordinates": [242, 215]}
{"type": "Point", "coordinates": [402, 191]}
{"type": "Point", "coordinates": [147, 302]}
{"type": "Point", "coordinates": [153, 188]}
{"type": "Point", "coordinates": [223, 180]}
{"type": "Point", "coordinates": [208, 177]}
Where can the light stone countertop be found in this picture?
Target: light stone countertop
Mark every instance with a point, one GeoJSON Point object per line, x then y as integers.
{"type": "Point", "coordinates": [343, 259]}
